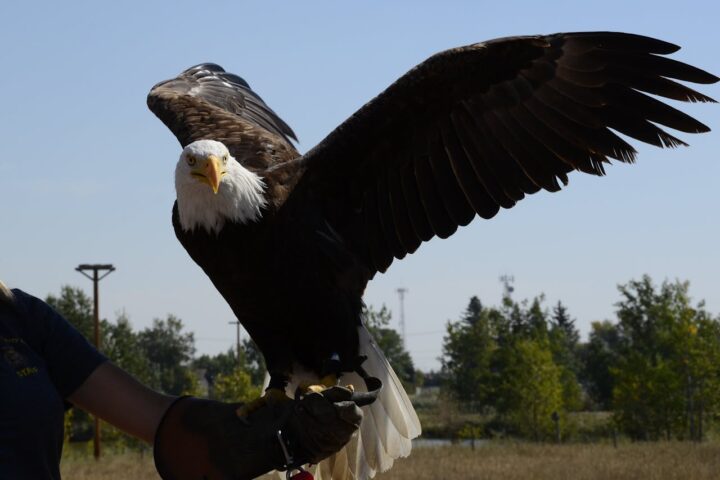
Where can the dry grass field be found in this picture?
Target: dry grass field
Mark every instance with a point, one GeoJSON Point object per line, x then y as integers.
{"type": "Point", "coordinates": [507, 461]}
{"type": "Point", "coordinates": [499, 461]}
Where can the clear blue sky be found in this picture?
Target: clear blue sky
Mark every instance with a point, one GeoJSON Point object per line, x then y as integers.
{"type": "Point", "coordinates": [86, 171]}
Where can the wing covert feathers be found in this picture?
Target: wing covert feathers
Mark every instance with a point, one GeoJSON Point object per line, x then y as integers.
{"type": "Point", "coordinates": [206, 102]}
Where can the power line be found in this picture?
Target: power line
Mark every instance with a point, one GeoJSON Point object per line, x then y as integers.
{"type": "Point", "coordinates": [429, 332]}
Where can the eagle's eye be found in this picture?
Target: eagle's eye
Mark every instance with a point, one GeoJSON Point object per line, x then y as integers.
{"type": "Point", "coordinates": [225, 158]}
{"type": "Point", "coordinates": [191, 160]}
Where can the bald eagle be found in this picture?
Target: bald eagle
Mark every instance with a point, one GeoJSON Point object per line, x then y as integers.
{"type": "Point", "coordinates": [291, 240]}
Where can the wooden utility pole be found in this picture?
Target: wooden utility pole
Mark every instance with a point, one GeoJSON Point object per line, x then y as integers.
{"type": "Point", "coordinates": [96, 277]}
{"type": "Point", "coordinates": [237, 341]}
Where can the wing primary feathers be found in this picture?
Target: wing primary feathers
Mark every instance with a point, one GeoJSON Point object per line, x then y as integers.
{"type": "Point", "coordinates": [486, 124]}
{"type": "Point", "coordinates": [556, 143]}
{"type": "Point", "coordinates": [385, 213]}
{"type": "Point", "coordinates": [581, 78]}
{"type": "Point", "coordinates": [519, 154]}
{"type": "Point", "coordinates": [657, 85]}
{"type": "Point", "coordinates": [493, 166]}
{"type": "Point", "coordinates": [401, 217]}
{"type": "Point", "coordinates": [441, 223]}
{"type": "Point", "coordinates": [578, 42]}
{"type": "Point", "coordinates": [450, 192]}
{"type": "Point", "coordinates": [541, 156]}
{"type": "Point", "coordinates": [474, 191]}
{"type": "Point", "coordinates": [584, 96]}
{"type": "Point", "coordinates": [567, 107]}
{"type": "Point", "coordinates": [583, 139]}
{"type": "Point", "coordinates": [647, 64]}
{"type": "Point", "coordinates": [496, 140]}
{"type": "Point", "coordinates": [597, 136]}
{"type": "Point", "coordinates": [637, 127]}
{"type": "Point", "coordinates": [411, 192]}
{"type": "Point", "coordinates": [654, 110]}
{"type": "Point", "coordinates": [375, 240]}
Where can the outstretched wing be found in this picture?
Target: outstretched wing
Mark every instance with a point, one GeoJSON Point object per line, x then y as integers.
{"type": "Point", "coordinates": [476, 128]}
{"type": "Point", "coordinates": [205, 102]}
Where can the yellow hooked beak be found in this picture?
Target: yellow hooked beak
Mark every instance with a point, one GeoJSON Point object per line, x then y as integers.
{"type": "Point", "coordinates": [210, 171]}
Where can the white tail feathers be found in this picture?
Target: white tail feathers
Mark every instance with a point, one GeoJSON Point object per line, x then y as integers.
{"type": "Point", "coordinates": [388, 425]}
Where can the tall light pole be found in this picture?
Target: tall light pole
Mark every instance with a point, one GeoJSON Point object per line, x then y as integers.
{"type": "Point", "coordinates": [507, 281]}
{"type": "Point", "coordinates": [96, 277]}
{"type": "Point", "coordinates": [401, 292]}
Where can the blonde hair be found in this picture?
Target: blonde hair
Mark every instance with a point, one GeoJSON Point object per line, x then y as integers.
{"type": "Point", "coordinates": [6, 295]}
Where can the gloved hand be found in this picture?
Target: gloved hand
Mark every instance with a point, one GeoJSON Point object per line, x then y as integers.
{"type": "Point", "coordinates": [199, 439]}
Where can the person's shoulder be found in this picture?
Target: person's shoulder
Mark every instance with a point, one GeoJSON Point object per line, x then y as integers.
{"type": "Point", "coordinates": [34, 317]}
{"type": "Point", "coordinates": [28, 303]}
{"type": "Point", "coordinates": [21, 296]}
{"type": "Point", "coordinates": [16, 314]}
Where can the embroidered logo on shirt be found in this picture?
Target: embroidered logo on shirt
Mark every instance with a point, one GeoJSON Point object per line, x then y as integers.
{"type": "Point", "coordinates": [17, 360]}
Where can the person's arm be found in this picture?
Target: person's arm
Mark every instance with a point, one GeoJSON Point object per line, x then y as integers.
{"type": "Point", "coordinates": [116, 397]}
{"type": "Point", "coordinates": [84, 376]}
{"type": "Point", "coordinates": [196, 438]}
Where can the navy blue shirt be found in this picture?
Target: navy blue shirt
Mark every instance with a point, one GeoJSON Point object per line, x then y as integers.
{"type": "Point", "coordinates": [43, 360]}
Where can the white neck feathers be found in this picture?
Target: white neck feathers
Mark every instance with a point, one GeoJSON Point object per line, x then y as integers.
{"type": "Point", "coordinates": [240, 199]}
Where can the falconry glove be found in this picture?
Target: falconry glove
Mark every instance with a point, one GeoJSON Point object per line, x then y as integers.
{"type": "Point", "coordinates": [205, 439]}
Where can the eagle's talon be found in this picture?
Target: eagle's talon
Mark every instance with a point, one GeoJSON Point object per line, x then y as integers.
{"type": "Point", "coordinates": [315, 388]}
{"type": "Point", "coordinates": [328, 381]}
{"type": "Point", "coordinates": [272, 396]}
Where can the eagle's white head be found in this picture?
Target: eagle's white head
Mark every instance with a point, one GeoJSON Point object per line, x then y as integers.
{"type": "Point", "coordinates": [213, 188]}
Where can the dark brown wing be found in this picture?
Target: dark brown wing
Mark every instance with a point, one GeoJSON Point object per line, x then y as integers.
{"type": "Point", "coordinates": [477, 128]}
{"type": "Point", "coordinates": [205, 102]}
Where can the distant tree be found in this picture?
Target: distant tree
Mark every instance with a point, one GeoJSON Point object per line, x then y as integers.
{"type": "Point", "coordinates": [224, 363]}
{"type": "Point", "coordinates": [530, 389]}
{"type": "Point", "coordinates": [647, 397]}
{"type": "Point", "coordinates": [76, 307]}
{"type": "Point", "coordinates": [254, 361]}
{"type": "Point", "coordinates": [562, 321]}
{"type": "Point", "coordinates": [468, 349]}
{"type": "Point", "coordinates": [235, 386]}
{"type": "Point", "coordinates": [525, 319]}
{"type": "Point", "coordinates": [433, 379]}
{"type": "Point", "coordinates": [390, 342]}
{"type": "Point", "coordinates": [420, 379]}
{"type": "Point", "coordinates": [564, 344]}
{"type": "Point", "coordinates": [698, 347]}
{"type": "Point", "coordinates": [666, 376]}
{"type": "Point", "coordinates": [473, 312]}
{"type": "Point", "coordinates": [597, 359]}
{"type": "Point", "coordinates": [537, 319]}
{"type": "Point", "coordinates": [122, 346]}
{"type": "Point", "coordinates": [249, 360]}
{"type": "Point", "coordinates": [169, 351]}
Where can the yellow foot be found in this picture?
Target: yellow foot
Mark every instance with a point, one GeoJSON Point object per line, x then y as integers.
{"type": "Point", "coordinates": [325, 382]}
{"type": "Point", "coordinates": [272, 396]}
